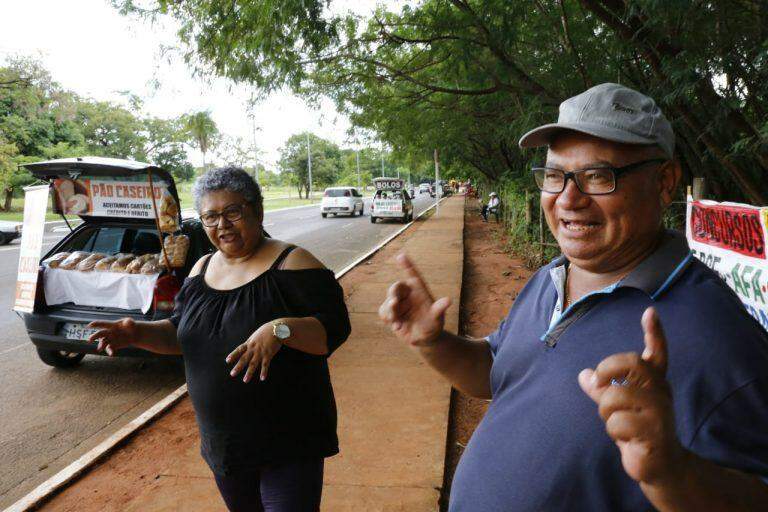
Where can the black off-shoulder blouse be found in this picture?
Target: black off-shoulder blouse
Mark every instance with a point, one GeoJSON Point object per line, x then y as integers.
{"type": "Point", "coordinates": [290, 415]}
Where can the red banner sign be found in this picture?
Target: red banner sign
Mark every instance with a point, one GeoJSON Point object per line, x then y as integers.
{"type": "Point", "coordinates": [729, 227]}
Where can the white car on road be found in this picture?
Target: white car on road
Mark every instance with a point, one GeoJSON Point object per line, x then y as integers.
{"type": "Point", "coordinates": [338, 200]}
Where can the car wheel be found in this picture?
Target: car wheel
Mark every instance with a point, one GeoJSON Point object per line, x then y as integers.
{"type": "Point", "coordinates": [60, 358]}
{"type": "Point", "coordinates": [324, 215]}
{"type": "Point", "coordinates": [373, 219]}
{"type": "Point", "coordinates": [4, 240]}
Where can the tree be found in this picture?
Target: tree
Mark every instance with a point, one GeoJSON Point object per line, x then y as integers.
{"type": "Point", "coordinates": [326, 162]}
{"type": "Point", "coordinates": [203, 131]}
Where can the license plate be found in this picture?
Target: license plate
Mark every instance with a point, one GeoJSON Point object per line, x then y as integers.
{"type": "Point", "coordinates": [77, 331]}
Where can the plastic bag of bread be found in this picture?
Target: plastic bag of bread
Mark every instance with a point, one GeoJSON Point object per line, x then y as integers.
{"type": "Point", "coordinates": [73, 260]}
{"type": "Point", "coordinates": [121, 263]}
{"type": "Point", "coordinates": [56, 260]}
{"type": "Point", "coordinates": [88, 263]}
{"type": "Point", "coordinates": [176, 246]}
{"type": "Point", "coordinates": [168, 213]}
{"type": "Point", "coordinates": [152, 266]}
{"type": "Point", "coordinates": [104, 264]}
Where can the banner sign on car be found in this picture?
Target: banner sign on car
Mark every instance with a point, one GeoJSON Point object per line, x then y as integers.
{"type": "Point", "coordinates": [388, 184]}
{"type": "Point", "coordinates": [105, 197]}
{"type": "Point", "coordinates": [730, 238]}
{"type": "Point", "coordinates": [35, 205]}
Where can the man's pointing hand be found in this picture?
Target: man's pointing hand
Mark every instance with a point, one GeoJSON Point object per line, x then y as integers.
{"type": "Point", "coordinates": [410, 310]}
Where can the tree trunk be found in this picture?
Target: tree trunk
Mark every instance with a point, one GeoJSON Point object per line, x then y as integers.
{"type": "Point", "coordinates": [8, 199]}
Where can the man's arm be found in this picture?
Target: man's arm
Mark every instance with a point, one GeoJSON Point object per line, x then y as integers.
{"type": "Point", "coordinates": [465, 362]}
{"type": "Point", "coordinates": [699, 484]}
{"type": "Point", "coordinates": [418, 319]}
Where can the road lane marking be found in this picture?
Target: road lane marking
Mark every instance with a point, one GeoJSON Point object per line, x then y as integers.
{"type": "Point", "coordinates": [347, 225]}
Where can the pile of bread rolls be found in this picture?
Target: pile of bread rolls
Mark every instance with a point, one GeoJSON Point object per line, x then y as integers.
{"type": "Point", "coordinates": [98, 262]}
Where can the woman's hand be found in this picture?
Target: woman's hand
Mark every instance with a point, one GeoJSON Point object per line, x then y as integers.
{"type": "Point", "coordinates": [112, 336]}
{"type": "Point", "coordinates": [255, 354]}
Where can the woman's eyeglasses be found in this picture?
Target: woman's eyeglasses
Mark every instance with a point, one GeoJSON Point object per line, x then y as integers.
{"type": "Point", "coordinates": [594, 181]}
{"type": "Point", "coordinates": [232, 213]}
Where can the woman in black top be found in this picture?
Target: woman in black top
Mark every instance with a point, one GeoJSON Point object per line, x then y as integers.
{"type": "Point", "coordinates": [256, 322]}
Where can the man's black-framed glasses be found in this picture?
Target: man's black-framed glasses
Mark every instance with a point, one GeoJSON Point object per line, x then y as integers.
{"type": "Point", "coordinates": [593, 181]}
{"type": "Point", "coordinates": [231, 213]}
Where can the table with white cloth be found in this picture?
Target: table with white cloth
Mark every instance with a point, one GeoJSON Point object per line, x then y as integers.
{"type": "Point", "coordinates": [102, 289]}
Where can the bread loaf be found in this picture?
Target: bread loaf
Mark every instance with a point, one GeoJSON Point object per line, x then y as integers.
{"type": "Point", "coordinates": [88, 263]}
{"type": "Point", "coordinates": [104, 264]}
{"type": "Point", "coordinates": [73, 260]}
{"type": "Point", "coordinates": [152, 266]}
{"type": "Point", "coordinates": [134, 267]}
{"type": "Point", "coordinates": [56, 260]}
{"type": "Point", "coordinates": [122, 262]}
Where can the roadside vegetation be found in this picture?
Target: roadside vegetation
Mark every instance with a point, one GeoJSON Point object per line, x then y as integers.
{"type": "Point", "coordinates": [469, 77]}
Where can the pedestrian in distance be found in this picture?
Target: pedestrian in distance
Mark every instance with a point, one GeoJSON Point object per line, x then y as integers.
{"type": "Point", "coordinates": [256, 322]}
{"type": "Point", "coordinates": [594, 406]}
{"type": "Point", "coordinates": [491, 207]}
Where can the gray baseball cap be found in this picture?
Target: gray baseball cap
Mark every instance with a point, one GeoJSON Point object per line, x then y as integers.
{"type": "Point", "coordinates": [612, 112]}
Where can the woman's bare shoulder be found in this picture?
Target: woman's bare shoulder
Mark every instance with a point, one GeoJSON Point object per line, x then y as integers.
{"type": "Point", "coordinates": [198, 266]}
{"type": "Point", "coordinates": [300, 259]}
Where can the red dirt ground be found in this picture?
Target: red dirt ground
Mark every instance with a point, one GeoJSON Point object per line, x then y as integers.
{"type": "Point", "coordinates": [492, 280]}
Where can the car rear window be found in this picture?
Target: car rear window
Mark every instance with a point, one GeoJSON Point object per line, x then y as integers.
{"type": "Point", "coordinates": [116, 239]}
{"type": "Point", "coordinates": [338, 193]}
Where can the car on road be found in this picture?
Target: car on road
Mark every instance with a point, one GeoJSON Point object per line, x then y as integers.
{"type": "Point", "coordinates": [59, 330]}
{"type": "Point", "coordinates": [337, 200]}
{"type": "Point", "coordinates": [9, 230]}
{"type": "Point", "coordinates": [424, 188]}
{"type": "Point", "coordinates": [391, 201]}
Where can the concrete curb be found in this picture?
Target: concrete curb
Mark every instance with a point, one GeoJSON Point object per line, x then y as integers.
{"type": "Point", "coordinates": [42, 492]}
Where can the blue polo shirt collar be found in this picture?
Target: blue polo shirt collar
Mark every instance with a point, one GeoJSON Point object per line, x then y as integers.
{"type": "Point", "coordinates": [654, 276]}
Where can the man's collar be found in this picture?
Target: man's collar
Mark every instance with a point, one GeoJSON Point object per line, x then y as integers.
{"type": "Point", "coordinates": [656, 273]}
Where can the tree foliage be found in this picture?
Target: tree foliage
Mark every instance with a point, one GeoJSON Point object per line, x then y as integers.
{"type": "Point", "coordinates": [471, 76]}
{"type": "Point", "coordinates": [40, 120]}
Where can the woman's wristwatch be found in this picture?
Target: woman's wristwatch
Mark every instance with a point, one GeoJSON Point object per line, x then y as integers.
{"type": "Point", "coordinates": [281, 331]}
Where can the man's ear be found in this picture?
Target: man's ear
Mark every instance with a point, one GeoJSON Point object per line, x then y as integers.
{"type": "Point", "coordinates": [668, 176]}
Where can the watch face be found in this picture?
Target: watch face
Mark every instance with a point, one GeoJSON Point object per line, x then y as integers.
{"type": "Point", "coordinates": [282, 331]}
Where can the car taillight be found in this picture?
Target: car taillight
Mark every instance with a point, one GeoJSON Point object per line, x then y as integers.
{"type": "Point", "coordinates": [40, 289]}
{"type": "Point", "coordinates": [166, 289]}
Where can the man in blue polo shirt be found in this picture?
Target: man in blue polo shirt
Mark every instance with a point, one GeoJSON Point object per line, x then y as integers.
{"type": "Point", "coordinates": [594, 407]}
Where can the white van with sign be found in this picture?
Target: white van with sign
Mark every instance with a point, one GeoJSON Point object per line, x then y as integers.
{"type": "Point", "coordinates": [346, 200]}
{"type": "Point", "coordinates": [391, 201]}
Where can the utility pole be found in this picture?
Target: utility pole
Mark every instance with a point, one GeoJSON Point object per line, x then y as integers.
{"type": "Point", "coordinates": [255, 160]}
{"type": "Point", "coordinates": [437, 183]}
{"type": "Point", "coordinates": [309, 167]}
{"type": "Point", "coordinates": [382, 160]}
{"type": "Point", "coordinates": [357, 155]}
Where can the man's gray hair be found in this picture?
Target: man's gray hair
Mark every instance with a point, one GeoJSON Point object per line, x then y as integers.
{"type": "Point", "coordinates": [232, 179]}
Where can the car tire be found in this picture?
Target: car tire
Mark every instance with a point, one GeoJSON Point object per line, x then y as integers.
{"type": "Point", "coordinates": [4, 240]}
{"type": "Point", "coordinates": [59, 358]}
{"type": "Point", "coordinates": [373, 219]}
{"type": "Point", "coordinates": [324, 215]}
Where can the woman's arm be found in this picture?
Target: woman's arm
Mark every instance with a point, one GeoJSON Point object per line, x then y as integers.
{"type": "Point", "coordinates": [157, 336]}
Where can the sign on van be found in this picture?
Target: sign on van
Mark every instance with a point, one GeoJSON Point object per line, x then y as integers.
{"type": "Point", "coordinates": [388, 183]}
{"type": "Point", "coordinates": [730, 238]}
{"type": "Point", "coordinates": [105, 197]}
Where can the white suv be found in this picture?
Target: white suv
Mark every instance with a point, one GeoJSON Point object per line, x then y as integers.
{"type": "Point", "coordinates": [338, 200]}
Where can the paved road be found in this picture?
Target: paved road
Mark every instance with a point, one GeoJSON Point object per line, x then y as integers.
{"type": "Point", "coordinates": [50, 416]}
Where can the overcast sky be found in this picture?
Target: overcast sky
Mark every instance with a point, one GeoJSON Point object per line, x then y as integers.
{"type": "Point", "coordinates": [91, 49]}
